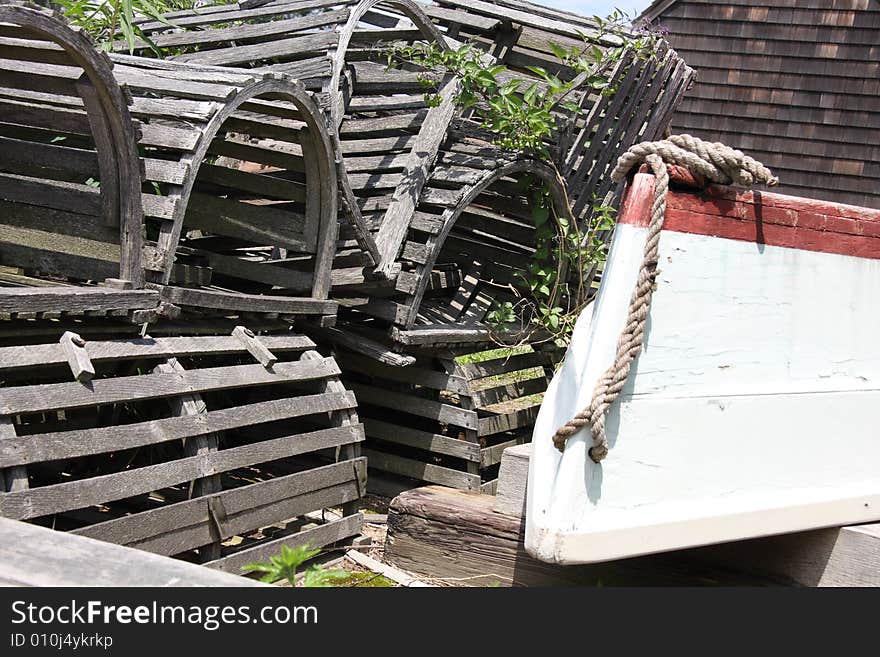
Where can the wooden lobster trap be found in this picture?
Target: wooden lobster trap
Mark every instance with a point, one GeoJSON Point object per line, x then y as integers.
{"type": "Point", "coordinates": [213, 448]}
{"type": "Point", "coordinates": [447, 418]}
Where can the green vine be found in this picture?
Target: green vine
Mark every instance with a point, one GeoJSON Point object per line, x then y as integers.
{"type": "Point", "coordinates": [522, 116]}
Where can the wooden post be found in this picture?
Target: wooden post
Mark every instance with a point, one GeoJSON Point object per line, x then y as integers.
{"type": "Point", "coordinates": [15, 478]}
{"type": "Point", "coordinates": [193, 404]}
{"type": "Point", "coordinates": [256, 348]}
{"type": "Point", "coordinates": [343, 418]}
{"type": "Point", "coordinates": [75, 349]}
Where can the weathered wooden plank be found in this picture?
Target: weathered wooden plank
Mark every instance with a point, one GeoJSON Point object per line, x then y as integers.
{"type": "Point", "coordinates": [182, 526]}
{"type": "Point", "coordinates": [258, 271]}
{"type": "Point", "coordinates": [36, 556]}
{"type": "Point", "coordinates": [492, 455]}
{"type": "Point", "coordinates": [63, 222]}
{"type": "Point", "coordinates": [415, 375]}
{"type": "Point", "coordinates": [414, 405]}
{"type": "Point", "coordinates": [423, 471]}
{"type": "Point", "coordinates": [51, 262]}
{"type": "Point", "coordinates": [247, 302]}
{"type": "Point", "coordinates": [244, 32]}
{"type": "Point", "coordinates": [74, 443]}
{"type": "Point", "coordinates": [68, 496]}
{"type": "Point", "coordinates": [52, 396]}
{"type": "Point", "coordinates": [513, 477]}
{"type": "Point", "coordinates": [265, 185]}
{"type": "Point", "coordinates": [370, 348]}
{"type": "Point", "coordinates": [26, 357]}
{"type": "Point", "coordinates": [425, 148]}
{"type": "Point", "coordinates": [518, 419]}
{"type": "Point", "coordinates": [504, 364]}
{"type": "Point", "coordinates": [67, 299]}
{"type": "Point", "coordinates": [440, 334]}
{"type": "Point", "coordinates": [51, 193]}
{"type": "Point", "coordinates": [260, 224]}
{"type": "Point", "coordinates": [282, 48]}
{"type": "Point", "coordinates": [511, 390]}
{"type": "Point", "coordinates": [431, 442]}
{"type": "Point", "coordinates": [230, 13]}
{"type": "Point", "coordinates": [440, 532]}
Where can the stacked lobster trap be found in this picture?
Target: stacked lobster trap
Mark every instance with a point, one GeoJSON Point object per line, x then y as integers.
{"type": "Point", "coordinates": [436, 221]}
{"type": "Point", "coordinates": [154, 262]}
{"type": "Point", "coordinates": [183, 235]}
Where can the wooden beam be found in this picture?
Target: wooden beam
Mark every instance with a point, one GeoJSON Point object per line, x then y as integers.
{"type": "Point", "coordinates": [35, 556]}
{"type": "Point", "coordinates": [456, 535]}
{"type": "Point", "coordinates": [421, 158]}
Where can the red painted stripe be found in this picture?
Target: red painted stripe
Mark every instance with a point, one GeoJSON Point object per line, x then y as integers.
{"type": "Point", "coordinates": [793, 237]}
{"type": "Point", "coordinates": [757, 216]}
{"type": "Point", "coordinates": [636, 207]}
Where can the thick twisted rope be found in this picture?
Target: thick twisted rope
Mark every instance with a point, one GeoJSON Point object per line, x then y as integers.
{"type": "Point", "coordinates": [713, 161]}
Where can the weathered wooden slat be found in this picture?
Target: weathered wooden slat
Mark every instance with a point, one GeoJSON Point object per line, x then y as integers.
{"type": "Point", "coordinates": [258, 271]}
{"type": "Point", "coordinates": [247, 302]}
{"type": "Point", "coordinates": [490, 456]}
{"type": "Point", "coordinates": [423, 471]}
{"type": "Point", "coordinates": [77, 357]}
{"type": "Point", "coordinates": [200, 445]}
{"type": "Point", "coordinates": [182, 526]}
{"type": "Point", "coordinates": [52, 396]}
{"type": "Point", "coordinates": [51, 193]}
{"type": "Point", "coordinates": [413, 374]}
{"type": "Point", "coordinates": [74, 443]}
{"type": "Point", "coordinates": [26, 357]}
{"type": "Point", "coordinates": [63, 222]}
{"type": "Point", "coordinates": [37, 556]}
{"type": "Point", "coordinates": [264, 184]}
{"type": "Point", "coordinates": [230, 13]}
{"type": "Point", "coordinates": [28, 157]}
{"type": "Point", "coordinates": [58, 498]}
{"type": "Point", "coordinates": [512, 390]}
{"type": "Point", "coordinates": [282, 48]}
{"type": "Point", "coordinates": [51, 262]}
{"type": "Point", "coordinates": [67, 299]}
{"type": "Point", "coordinates": [505, 364]}
{"type": "Point", "coordinates": [414, 405]}
{"type": "Point", "coordinates": [425, 148]}
{"type": "Point", "coordinates": [260, 224]}
{"type": "Point", "coordinates": [524, 417]}
{"type": "Point", "coordinates": [243, 33]}
{"type": "Point", "coordinates": [431, 442]}
{"type": "Point", "coordinates": [376, 351]}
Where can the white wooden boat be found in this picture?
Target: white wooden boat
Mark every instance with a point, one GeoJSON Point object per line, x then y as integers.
{"type": "Point", "coordinates": [754, 407]}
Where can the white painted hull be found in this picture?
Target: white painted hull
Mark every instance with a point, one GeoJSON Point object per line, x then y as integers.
{"type": "Point", "coordinates": [754, 408]}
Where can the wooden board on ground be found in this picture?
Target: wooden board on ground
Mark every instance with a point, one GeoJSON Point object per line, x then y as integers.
{"type": "Point", "coordinates": [36, 556]}
{"type": "Point", "coordinates": [456, 536]}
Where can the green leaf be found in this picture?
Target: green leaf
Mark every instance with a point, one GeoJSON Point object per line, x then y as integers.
{"type": "Point", "coordinates": [537, 70]}
{"type": "Point", "coordinates": [558, 50]}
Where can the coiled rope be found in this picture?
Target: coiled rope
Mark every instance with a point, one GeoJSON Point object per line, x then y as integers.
{"type": "Point", "coordinates": [714, 162]}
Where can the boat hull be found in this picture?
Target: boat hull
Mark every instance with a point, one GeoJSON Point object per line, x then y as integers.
{"type": "Point", "coordinates": [753, 407]}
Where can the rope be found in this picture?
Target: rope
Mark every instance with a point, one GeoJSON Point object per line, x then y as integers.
{"type": "Point", "coordinates": [715, 162]}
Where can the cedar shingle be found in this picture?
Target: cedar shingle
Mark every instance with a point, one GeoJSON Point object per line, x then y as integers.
{"type": "Point", "coordinates": [794, 82]}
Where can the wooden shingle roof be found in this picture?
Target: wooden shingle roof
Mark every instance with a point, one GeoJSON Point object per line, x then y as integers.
{"type": "Point", "coordinates": [796, 83]}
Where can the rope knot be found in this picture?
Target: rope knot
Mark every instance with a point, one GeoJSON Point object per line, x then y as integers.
{"type": "Point", "coordinates": [713, 161]}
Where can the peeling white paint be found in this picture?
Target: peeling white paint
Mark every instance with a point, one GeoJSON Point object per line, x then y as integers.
{"type": "Point", "coordinates": [754, 401]}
